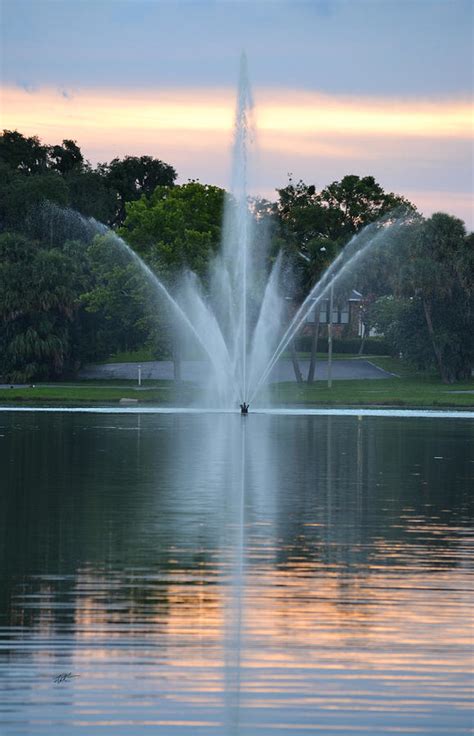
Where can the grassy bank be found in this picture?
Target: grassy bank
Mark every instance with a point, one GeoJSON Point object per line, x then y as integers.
{"type": "Point", "coordinates": [403, 392]}
{"type": "Point", "coordinates": [99, 392]}
{"type": "Point", "coordinates": [407, 388]}
{"type": "Point", "coordinates": [390, 392]}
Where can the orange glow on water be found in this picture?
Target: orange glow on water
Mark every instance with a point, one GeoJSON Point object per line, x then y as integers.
{"type": "Point", "coordinates": [376, 620]}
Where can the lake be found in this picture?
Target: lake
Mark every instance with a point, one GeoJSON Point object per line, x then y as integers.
{"type": "Point", "coordinates": [186, 573]}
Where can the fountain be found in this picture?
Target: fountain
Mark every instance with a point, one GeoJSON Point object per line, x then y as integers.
{"type": "Point", "coordinates": [240, 322]}
{"type": "Point", "coordinates": [243, 350]}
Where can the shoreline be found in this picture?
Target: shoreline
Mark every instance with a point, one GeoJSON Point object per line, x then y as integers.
{"type": "Point", "coordinates": [358, 413]}
{"type": "Point", "coordinates": [408, 391]}
{"type": "Point", "coordinates": [42, 403]}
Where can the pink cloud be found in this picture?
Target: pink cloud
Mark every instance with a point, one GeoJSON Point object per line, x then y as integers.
{"type": "Point", "coordinates": [410, 146]}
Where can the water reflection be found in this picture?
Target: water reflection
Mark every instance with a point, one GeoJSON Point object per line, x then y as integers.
{"type": "Point", "coordinates": [235, 575]}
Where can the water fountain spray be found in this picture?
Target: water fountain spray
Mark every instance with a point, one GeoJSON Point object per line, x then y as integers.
{"type": "Point", "coordinates": [242, 348]}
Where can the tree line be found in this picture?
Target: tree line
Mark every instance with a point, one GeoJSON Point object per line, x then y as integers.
{"type": "Point", "coordinates": [70, 293]}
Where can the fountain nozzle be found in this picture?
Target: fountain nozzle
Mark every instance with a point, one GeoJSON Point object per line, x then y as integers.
{"type": "Point", "coordinates": [244, 408]}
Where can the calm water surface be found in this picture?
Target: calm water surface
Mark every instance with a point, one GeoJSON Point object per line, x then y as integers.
{"type": "Point", "coordinates": [213, 574]}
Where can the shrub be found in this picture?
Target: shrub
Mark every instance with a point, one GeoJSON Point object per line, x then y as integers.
{"type": "Point", "coordinates": [345, 346]}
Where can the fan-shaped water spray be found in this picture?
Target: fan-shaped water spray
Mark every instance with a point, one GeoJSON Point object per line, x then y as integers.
{"type": "Point", "coordinates": [240, 321]}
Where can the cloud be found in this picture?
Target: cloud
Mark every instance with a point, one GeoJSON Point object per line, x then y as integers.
{"type": "Point", "coordinates": [28, 87]}
{"type": "Point", "coordinates": [390, 47]}
{"type": "Point", "coordinates": [306, 112]}
{"type": "Point", "coordinates": [279, 112]}
{"type": "Point", "coordinates": [409, 146]}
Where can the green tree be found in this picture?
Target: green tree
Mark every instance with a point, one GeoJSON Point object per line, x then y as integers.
{"type": "Point", "coordinates": [176, 227]}
{"type": "Point", "coordinates": [337, 212]}
{"type": "Point", "coordinates": [315, 226]}
{"type": "Point", "coordinates": [401, 321]}
{"type": "Point", "coordinates": [22, 154]}
{"type": "Point", "coordinates": [66, 158]}
{"type": "Point", "coordinates": [132, 177]}
{"type": "Point", "coordinates": [43, 190]}
{"type": "Point", "coordinates": [101, 192]}
{"type": "Point", "coordinates": [430, 317]}
{"type": "Point", "coordinates": [39, 299]}
{"type": "Point", "coordinates": [306, 232]}
{"type": "Point", "coordinates": [32, 173]}
{"type": "Point", "coordinates": [20, 195]}
{"type": "Point", "coordinates": [128, 311]}
{"type": "Point", "coordinates": [355, 202]}
{"type": "Point", "coordinates": [89, 194]}
{"type": "Point", "coordinates": [440, 274]}
{"type": "Point", "coordinates": [303, 218]}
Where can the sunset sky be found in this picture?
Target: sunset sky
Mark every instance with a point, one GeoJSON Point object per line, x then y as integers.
{"type": "Point", "coordinates": [380, 87]}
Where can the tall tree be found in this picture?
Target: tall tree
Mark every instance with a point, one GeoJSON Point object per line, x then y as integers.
{"type": "Point", "coordinates": [430, 317]}
{"type": "Point", "coordinates": [314, 226]}
{"type": "Point", "coordinates": [337, 211]}
{"type": "Point", "coordinates": [355, 202]}
{"type": "Point", "coordinates": [302, 217]}
{"type": "Point", "coordinates": [132, 177]}
{"type": "Point", "coordinates": [440, 273]}
{"type": "Point", "coordinates": [177, 227]}
{"type": "Point", "coordinates": [21, 195]}
{"type": "Point", "coordinates": [39, 298]}
{"type": "Point", "coordinates": [24, 154]}
{"type": "Point", "coordinates": [127, 313]}
{"type": "Point", "coordinates": [90, 195]}
{"type": "Point", "coordinates": [66, 158]}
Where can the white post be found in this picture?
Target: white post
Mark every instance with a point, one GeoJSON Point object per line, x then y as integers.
{"type": "Point", "coordinates": [139, 375]}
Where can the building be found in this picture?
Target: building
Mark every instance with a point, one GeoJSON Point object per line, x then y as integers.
{"type": "Point", "coordinates": [345, 314]}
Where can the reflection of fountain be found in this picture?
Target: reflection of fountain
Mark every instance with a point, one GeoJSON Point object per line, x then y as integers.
{"type": "Point", "coordinates": [235, 624]}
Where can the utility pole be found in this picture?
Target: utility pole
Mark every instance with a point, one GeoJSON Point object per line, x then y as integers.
{"type": "Point", "coordinates": [331, 304]}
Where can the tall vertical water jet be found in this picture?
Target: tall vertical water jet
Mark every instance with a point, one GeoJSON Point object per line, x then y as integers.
{"type": "Point", "coordinates": [250, 309]}
{"type": "Point", "coordinates": [239, 189]}
{"type": "Point", "coordinates": [232, 273]}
